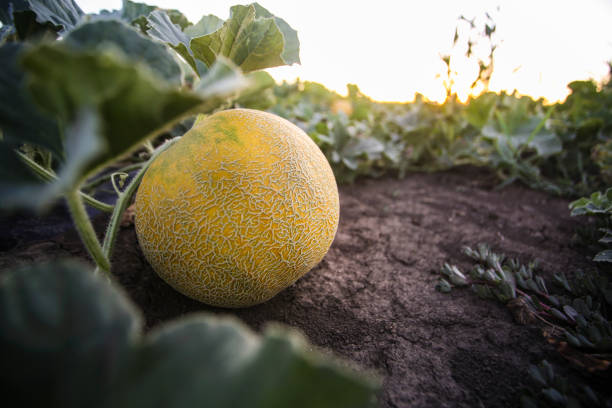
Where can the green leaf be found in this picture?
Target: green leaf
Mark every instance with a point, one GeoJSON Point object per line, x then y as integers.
{"type": "Point", "coordinates": [250, 40]}
{"type": "Point", "coordinates": [5, 32]}
{"type": "Point", "coordinates": [570, 311]}
{"type": "Point", "coordinates": [132, 10]}
{"type": "Point", "coordinates": [607, 238]}
{"type": "Point", "coordinates": [259, 94]}
{"type": "Point", "coordinates": [15, 177]}
{"type": "Point", "coordinates": [207, 24]}
{"type": "Point", "coordinates": [597, 203]}
{"type": "Point", "coordinates": [291, 52]}
{"type": "Point", "coordinates": [604, 256]}
{"type": "Point", "coordinates": [444, 286]}
{"type": "Point", "coordinates": [9, 7]}
{"type": "Point", "coordinates": [548, 371]}
{"type": "Point", "coordinates": [369, 146]}
{"type": "Point", "coordinates": [28, 28]}
{"type": "Point", "coordinates": [554, 396]}
{"type": "Point", "coordinates": [544, 143]}
{"type": "Point", "coordinates": [178, 18]}
{"type": "Point", "coordinates": [132, 105]}
{"type": "Point", "coordinates": [62, 13]}
{"type": "Point", "coordinates": [558, 314]}
{"type": "Point", "coordinates": [223, 79]}
{"type": "Point", "coordinates": [63, 332]}
{"type": "Point", "coordinates": [536, 375]}
{"type": "Point", "coordinates": [83, 144]}
{"type": "Point", "coordinates": [132, 13]}
{"type": "Point", "coordinates": [164, 30]}
{"type": "Point", "coordinates": [393, 152]}
{"type": "Point", "coordinates": [571, 339]}
{"type": "Point", "coordinates": [350, 163]}
{"type": "Point", "coordinates": [136, 47]}
{"type": "Point", "coordinates": [76, 339]}
{"type": "Point", "coordinates": [479, 110]}
{"type": "Point", "coordinates": [20, 120]}
{"type": "Point", "coordinates": [238, 369]}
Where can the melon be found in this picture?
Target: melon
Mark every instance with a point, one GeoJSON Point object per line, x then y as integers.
{"type": "Point", "coordinates": [238, 209]}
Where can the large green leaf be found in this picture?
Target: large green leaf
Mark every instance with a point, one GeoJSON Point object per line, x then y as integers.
{"type": "Point", "coordinates": [135, 14]}
{"type": "Point", "coordinates": [7, 7]}
{"type": "Point", "coordinates": [259, 94]}
{"type": "Point", "coordinates": [206, 25]}
{"type": "Point", "coordinates": [20, 120]}
{"type": "Point", "coordinates": [35, 19]}
{"type": "Point", "coordinates": [131, 10]}
{"type": "Point", "coordinates": [83, 145]}
{"type": "Point", "coordinates": [74, 338]}
{"type": "Point", "coordinates": [27, 28]}
{"type": "Point", "coordinates": [110, 106]}
{"type": "Point", "coordinates": [369, 146]}
{"type": "Point", "coordinates": [252, 41]}
{"type": "Point", "coordinates": [238, 369]}
{"type": "Point", "coordinates": [223, 79]}
{"type": "Point", "coordinates": [63, 335]}
{"type": "Point", "coordinates": [62, 13]}
{"type": "Point", "coordinates": [544, 142]}
{"type": "Point", "coordinates": [135, 46]}
{"type": "Point", "coordinates": [178, 18]}
{"type": "Point", "coordinates": [291, 52]}
{"type": "Point", "coordinates": [163, 29]}
{"type": "Point", "coordinates": [133, 105]}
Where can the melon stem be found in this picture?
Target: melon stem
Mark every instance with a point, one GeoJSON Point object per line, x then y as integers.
{"type": "Point", "coordinates": [124, 199]}
{"type": "Point", "coordinates": [86, 230]}
{"type": "Point", "coordinates": [49, 176]}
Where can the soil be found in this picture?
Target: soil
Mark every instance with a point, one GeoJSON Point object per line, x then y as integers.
{"type": "Point", "coordinates": [372, 299]}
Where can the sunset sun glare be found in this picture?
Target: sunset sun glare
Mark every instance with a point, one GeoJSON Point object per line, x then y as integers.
{"type": "Point", "coordinates": [393, 51]}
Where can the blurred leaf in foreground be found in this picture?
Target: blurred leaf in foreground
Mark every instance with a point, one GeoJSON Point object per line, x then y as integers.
{"type": "Point", "coordinates": [129, 104]}
{"type": "Point", "coordinates": [135, 46]}
{"type": "Point", "coordinates": [20, 119]}
{"type": "Point", "coordinates": [77, 340]}
{"type": "Point", "coordinates": [163, 29]}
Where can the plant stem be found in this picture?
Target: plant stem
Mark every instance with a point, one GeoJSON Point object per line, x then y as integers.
{"type": "Point", "coordinates": [114, 183]}
{"type": "Point", "coordinates": [48, 159]}
{"type": "Point", "coordinates": [97, 181]}
{"type": "Point", "coordinates": [49, 176]}
{"type": "Point", "coordinates": [124, 199]}
{"type": "Point", "coordinates": [149, 146]}
{"type": "Point", "coordinates": [86, 230]}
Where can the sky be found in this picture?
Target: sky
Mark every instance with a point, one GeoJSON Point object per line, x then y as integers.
{"type": "Point", "coordinates": [391, 48]}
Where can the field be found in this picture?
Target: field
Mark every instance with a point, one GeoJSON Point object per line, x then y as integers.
{"type": "Point", "coordinates": [471, 265]}
{"type": "Point", "coordinates": [372, 300]}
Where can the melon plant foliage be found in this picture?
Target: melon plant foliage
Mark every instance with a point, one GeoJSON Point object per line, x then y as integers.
{"type": "Point", "coordinates": [196, 361]}
{"type": "Point", "coordinates": [78, 92]}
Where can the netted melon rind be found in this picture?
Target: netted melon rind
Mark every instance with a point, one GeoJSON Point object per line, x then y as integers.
{"type": "Point", "coordinates": [238, 209]}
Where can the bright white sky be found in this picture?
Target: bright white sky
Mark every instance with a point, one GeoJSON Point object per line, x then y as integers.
{"type": "Point", "coordinates": [391, 48]}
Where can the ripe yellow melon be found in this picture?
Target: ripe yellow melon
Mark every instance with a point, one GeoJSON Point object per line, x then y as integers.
{"type": "Point", "coordinates": [238, 209]}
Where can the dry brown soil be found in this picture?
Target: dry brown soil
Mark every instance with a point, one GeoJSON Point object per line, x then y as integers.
{"type": "Point", "coordinates": [372, 299]}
